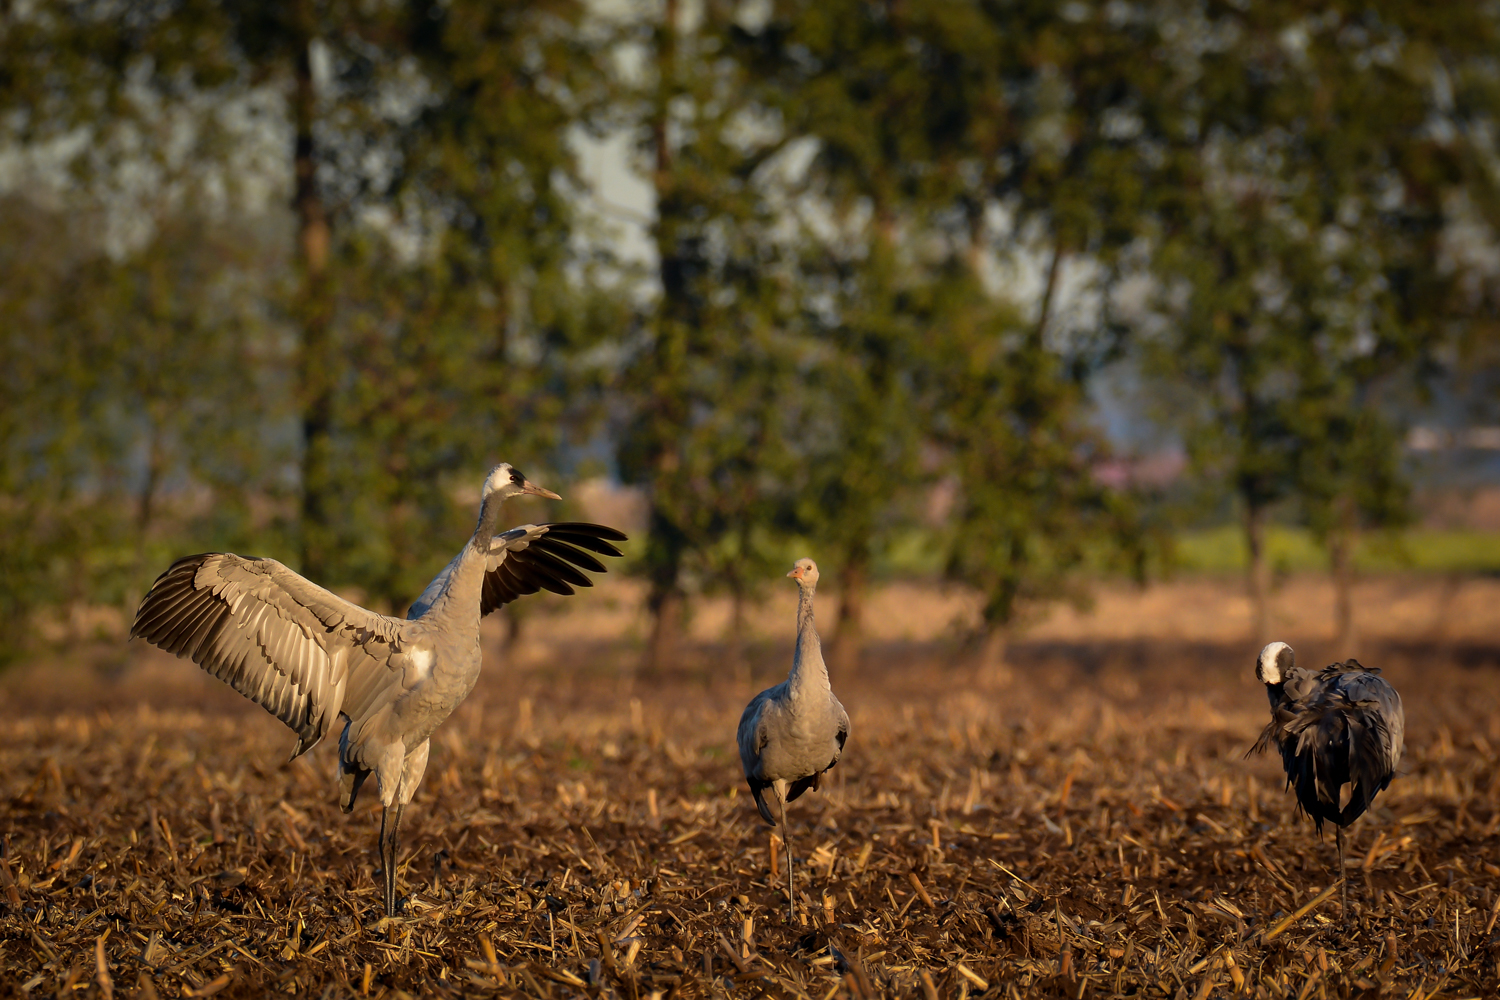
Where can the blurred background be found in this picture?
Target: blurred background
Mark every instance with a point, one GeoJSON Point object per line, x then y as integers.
{"type": "Point", "coordinates": [1001, 310]}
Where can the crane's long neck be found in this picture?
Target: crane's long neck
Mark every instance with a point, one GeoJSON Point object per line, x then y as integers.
{"type": "Point", "coordinates": [460, 599]}
{"type": "Point", "coordinates": [809, 674]}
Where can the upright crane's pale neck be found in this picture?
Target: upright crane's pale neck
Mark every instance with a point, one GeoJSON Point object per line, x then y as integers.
{"type": "Point", "coordinates": [459, 600]}
{"type": "Point", "coordinates": [805, 610]}
{"type": "Point", "coordinates": [809, 674]}
{"type": "Point", "coordinates": [489, 517]}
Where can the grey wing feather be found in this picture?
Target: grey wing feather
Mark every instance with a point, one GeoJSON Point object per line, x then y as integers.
{"type": "Point", "coordinates": [1379, 699]}
{"type": "Point", "coordinates": [1379, 709]}
{"type": "Point", "coordinates": [751, 735]}
{"type": "Point", "coordinates": [285, 643]}
{"type": "Point", "coordinates": [843, 733]}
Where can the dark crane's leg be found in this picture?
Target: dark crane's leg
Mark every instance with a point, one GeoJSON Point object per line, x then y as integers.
{"type": "Point", "coordinates": [390, 826]}
{"type": "Point", "coordinates": [786, 841]}
{"type": "Point", "coordinates": [1338, 838]}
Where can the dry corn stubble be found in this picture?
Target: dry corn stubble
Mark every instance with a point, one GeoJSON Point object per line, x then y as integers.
{"type": "Point", "coordinates": [1056, 833]}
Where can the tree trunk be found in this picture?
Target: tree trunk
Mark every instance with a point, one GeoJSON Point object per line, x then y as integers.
{"type": "Point", "coordinates": [848, 636]}
{"type": "Point", "coordinates": [146, 508]}
{"type": "Point", "coordinates": [316, 362]}
{"type": "Point", "coordinates": [664, 543]}
{"type": "Point", "coordinates": [666, 630]}
{"type": "Point", "coordinates": [1000, 615]}
{"type": "Point", "coordinates": [738, 655]}
{"type": "Point", "coordinates": [515, 628]}
{"type": "Point", "coordinates": [144, 515]}
{"type": "Point", "coordinates": [1049, 294]}
{"type": "Point", "coordinates": [993, 669]}
{"type": "Point", "coordinates": [975, 253]}
{"type": "Point", "coordinates": [1341, 566]}
{"type": "Point", "coordinates": [1259, 576]}
{"type": "Point", "coordinates": [1343, 581]}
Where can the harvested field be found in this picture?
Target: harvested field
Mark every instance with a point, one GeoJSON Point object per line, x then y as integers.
{"type": "Point", "coordinates": [1081, 823]}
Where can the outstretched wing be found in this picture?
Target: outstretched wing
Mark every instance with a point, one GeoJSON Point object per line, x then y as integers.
{"type": "Point", "coordinates": [549, 557]}
{"type": "Point", "coordinates": [530, 558]}
{"type": "Point", "coordinates": [282, 641]}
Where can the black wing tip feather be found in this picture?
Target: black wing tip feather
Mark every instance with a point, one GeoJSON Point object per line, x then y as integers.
{"type": "Point", "coordinates": [757, 789]}
{"type": "Point", "coordinates": [554, 562]}
{"type": "Point", "coordinates": [812, 781]}
{"type": "Point", "coordinates": [594, 541]}
{"type": "Point", "coordinates": [556, 569]}
{"type": "Point", "coordinates": [578, 557]}
{"type": "Point", "coordinates": [589, 528]}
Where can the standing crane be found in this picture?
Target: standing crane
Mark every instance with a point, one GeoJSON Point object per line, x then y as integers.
{"type": "Point", "coordinates": [310, 657]}
{"type": "Point", "coordinates": [792, 733]}
{"type": "Point", "coordinates": [1340, 731]}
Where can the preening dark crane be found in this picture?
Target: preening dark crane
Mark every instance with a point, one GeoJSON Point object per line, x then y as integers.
{"type": "Point", "coordinates": [1340, 732]}
{"type": "Point", "coordinates": [310, 657]}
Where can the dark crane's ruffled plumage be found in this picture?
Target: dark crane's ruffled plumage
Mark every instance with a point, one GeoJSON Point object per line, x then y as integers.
{"type": "Point", "coordinates": [1342, 725]}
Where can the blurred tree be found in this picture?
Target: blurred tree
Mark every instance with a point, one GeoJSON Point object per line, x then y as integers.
{"type": "Point", "coordinates": [931, 118]}
{"type": "Point", "coordinates": [707, 375]}
{"type": "Point", "coordinates": [1301, 251]}
{"type": "Point", "coordinates": [115, 214]}
{"type": "Point", "coordinates": [838, 186]}
{"type": "Point", "coordinates": [1349, 478]}
{"type": "Point", "coordinates": [47, 425]}
{"type": "Point", "coordinates": [1228, 346]}
{"type": "Point", "coordinates": [192, 384]}
{"type": "Point", "coordinates": [126, 379]}
{"type": "Point", "coordinates": [1031, 515]}
{"type": "Point", "coordinates": [465, 308]}
{"type": "Point", "coordinates": [1062, 147]}
{"type": "Point", "coordinates": [440, 304]}
{"type": "Point", "coordinates": [882, 96]}
{"type": "Point", "coordinates": [860, 453]}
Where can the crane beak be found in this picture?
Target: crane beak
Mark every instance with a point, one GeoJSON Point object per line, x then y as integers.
{"type": "Point", "coordinates": [529, 487]}
{"type": "Point", "coordinates": [796, 573]}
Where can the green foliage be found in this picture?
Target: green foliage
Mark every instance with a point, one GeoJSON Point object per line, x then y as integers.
{"type": "Point", "coordinates": [926, 117]}
{"type": "Point", "coordinates": [467, 347]}
{"type": "Point", "coordinates": [1030, 511]}
{"type": "Point", "coordinates": [706, 381]}
{"type": "Point", "coordinates": [1318, 154]}
{"type": "Point", "coordinates": [139, 393]}
{"type": "Point", "coordinates": [821, 346]}
{"type": "Point", "coordinates": [1294, 549]}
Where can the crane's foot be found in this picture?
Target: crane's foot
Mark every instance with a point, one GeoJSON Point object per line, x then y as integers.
{"type": "Point", "coordinates": [387, 916]}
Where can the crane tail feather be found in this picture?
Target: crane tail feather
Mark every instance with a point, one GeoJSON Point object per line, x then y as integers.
{"type": "Point", "coordinates": [757, 789]}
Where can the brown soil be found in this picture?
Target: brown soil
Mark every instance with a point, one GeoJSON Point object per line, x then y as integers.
{"type": "Point", "coordinates": [1079, 822]}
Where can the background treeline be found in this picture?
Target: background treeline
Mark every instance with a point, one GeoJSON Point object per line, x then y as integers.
{"type": "Point", "coordinates": [284, 278]}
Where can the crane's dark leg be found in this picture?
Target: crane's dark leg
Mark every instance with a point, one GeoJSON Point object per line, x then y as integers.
{"type": "Point", "coordinates": [786, 841]}
{"type": "Point", "coordinates": [390, 827]}
{"type": "Point", "coordinates": [1338, 838]}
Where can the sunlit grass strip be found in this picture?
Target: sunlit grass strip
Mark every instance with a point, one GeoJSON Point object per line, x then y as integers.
{"type": "Point", "coordinates": [1294, 550]}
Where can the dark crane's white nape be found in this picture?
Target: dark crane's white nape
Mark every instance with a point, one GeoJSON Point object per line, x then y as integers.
{"type": "Point", "coordinates": [1340, 732]}
{"type": "Point", "coordinates": [312, 659]}
{"type": "Point", "coordinates": [1274, 663]}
